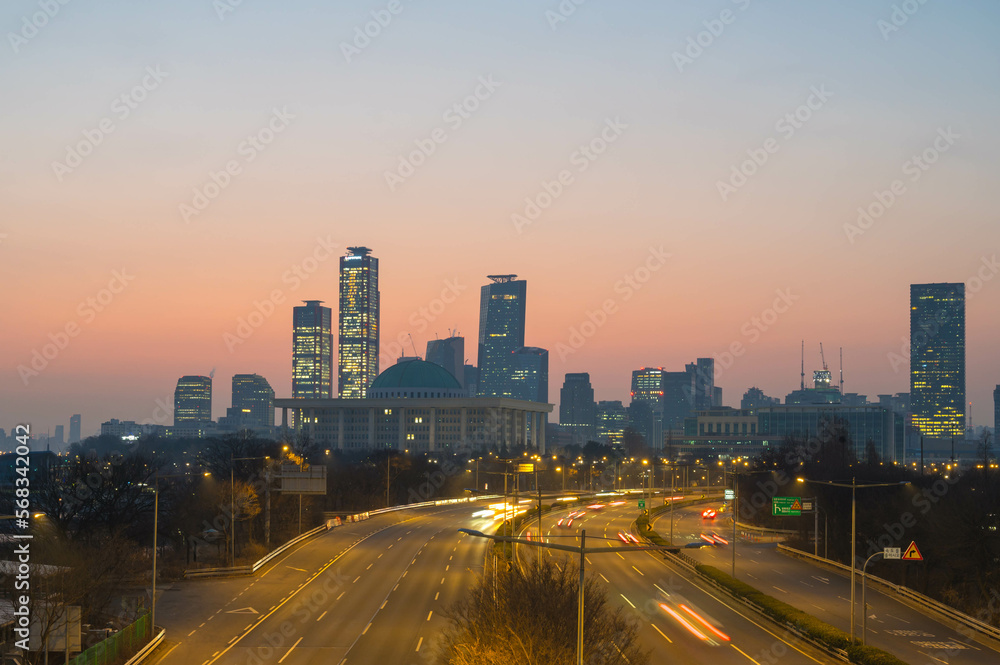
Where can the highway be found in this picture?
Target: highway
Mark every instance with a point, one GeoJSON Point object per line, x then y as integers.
{"type": "Point", "coordinates": [679, 620]}
{"type": "Point", "coordinates": [825, 592]}
{"type": "Point", "coordinates": [369, 592]}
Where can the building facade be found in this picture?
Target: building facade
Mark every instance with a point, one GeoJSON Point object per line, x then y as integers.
{"type": "Point", "coordinates": [193, 401]}
{"type": "Point", "coordinates": [312, 351]}
{"type": "Point", "coordinates": [253, 402]}
{"type": "Point", "coordinates": [358, 351]}
{"type": "Point", "coordinates": [612, 419]}
{"type": "Point", "coordinates": [501, 332]}
{"type": "Point", "coordinates": [754, 398]}
{"type": "Point", "coordinates": [577, 409]}
{"type": "Point", "coordinates": [530, 376]}
{"type": "Point", "coordinates": [418, 406]}
{"type": "Point", "coordinates": [74, 428]}
{"type": "Point", "coordinates": [937, 359]}
{"type": "Point", "coordinates": [450, 354]}
{"type": "Point", "coordinates": [996, 415]}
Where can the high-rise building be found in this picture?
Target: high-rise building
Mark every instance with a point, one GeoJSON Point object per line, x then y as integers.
{"type": "Point", "coordinates": [996, 415]}
{"type": "Point", "coordinates": [577, 409]}
{"type": "Point", "coordinates": [501, 331]}
{"type": "Point", "coordinates": [647, 385]}
{"type": "Point", "coordinates": [471, 381]}
{"type": "Point", "coordinates": [678, 399]}
{"type": "Point", "coordinates": [530, 378]}
{"type": "Point", "coordinates": [253, 401]}
{"type": "Point", "coordinates": [450, 354]}
{"type": "Point", "coordinates": [716, 397]}
{"type": "Point", "coordinates": [703, 370]}
{"type": "Point", "coordinates": [358, 351]}
{"type": "Point", "coordinates": [937, 358]}
{"type": "Point", "coordinates": [312, 351]}
{"type": "Point", "coordinates": [58, 438]}
{"type": "Point", "coordinates": [645, 411]}
{"type": "Point", "coordinates": [74, 428]}
{"type": "Point", "coordinates": [612, 419]}
{"type": "Point", "coordinates": [193, 401]}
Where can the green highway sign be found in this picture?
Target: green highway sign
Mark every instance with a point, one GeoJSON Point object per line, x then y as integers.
{"type": "Point", "coordinates": [786, 506]}
{"type": "Point", "coordinates": [642, 503]}
{"type": "Point", "coordinates": [730, 495]}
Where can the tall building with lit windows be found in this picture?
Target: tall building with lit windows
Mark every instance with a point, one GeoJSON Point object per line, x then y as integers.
{"type": "Point", "coordinates": [312, 351]}
{"type": "Point", "coordinates": [253, 401]}
{"type": "Point", "coordinates": [577, 408]}
{"type": "Point", "coordinates": [996, 415]}
{"type": "Point", "coordinates": [612, 419]}
{"type": "Point", "coordinates": [501, 332]}
{"type": "Point", "coordinates": [530, 376]}
{"type": "Point", "coordinates": [937, 359]}
{"type": "Point", "coordinates": [359, 323]}
{"type": "Point", "coordinates": [193, 401]}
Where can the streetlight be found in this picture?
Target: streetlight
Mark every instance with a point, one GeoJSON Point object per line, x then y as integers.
{"type": "Point", "coordinates": [583, 552]}
{"type": "Point", "coordinates": [864, 605]}
{"type": "Point", "coordinates": [854, 486]}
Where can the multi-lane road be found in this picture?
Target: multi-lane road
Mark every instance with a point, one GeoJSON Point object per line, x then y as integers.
{"type": "Point", "coordinates": [825, 592]}
{"type": "Point", "coordinates": [370, 592]}
{"type": "Point", "coordinates": [375, 592]}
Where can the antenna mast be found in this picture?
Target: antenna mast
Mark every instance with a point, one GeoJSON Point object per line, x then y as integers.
{"type": "Point", "coordinates": [802, 384]}
{"type": "Point", "coordinates": [841, 370]}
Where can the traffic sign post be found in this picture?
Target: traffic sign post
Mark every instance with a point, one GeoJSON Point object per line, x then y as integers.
{"type": "Point", "coordinates": [891, 553]}
{"type": "Point", "coordinates": [786, 506]}
{"type": "Point", "coordinates": [730, 495]}
{"type": "Point", "coordinates": [912, 553]}
{"type": "Point", "coordinates": [642, 503]}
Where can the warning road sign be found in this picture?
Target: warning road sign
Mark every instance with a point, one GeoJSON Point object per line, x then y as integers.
{"type": "Point", "coordinates": [912, 553]}
{"type": "Point", "coordinates": [786, 506]}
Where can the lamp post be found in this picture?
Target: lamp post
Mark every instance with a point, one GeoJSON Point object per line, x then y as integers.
{"type": "Point", "coordinates": [854, 533]}
{"type": "Point", "coordinates": [864, 605]}
{"type": "Point", "coordinates": [583, 551]}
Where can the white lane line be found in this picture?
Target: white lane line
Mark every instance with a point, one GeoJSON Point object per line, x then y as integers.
{"type": "Point", "coordinates": [806, 583]}
{"type": "Point", "coordinates": [661, 633]}
{"type": "Point", "coordinates": [380, 556]}
{"type": "Point", "coordinates": [741, 651]}
{"type": "Point", "coordinates": [384, 603]}
{"type": "Point", "coordinates": [322, 615]}
{"type": "Point", "coordinates": [366, 628]}
{"type": "Point", "coordinates": [436, 595]}
{"type": "Point", "coordinates": [887, 614]}
{"type": "Point", "coordinates": [369, 566]}
{"type": "Point", "coordinates": [202, 625]}
{"type": "Point", "coordinates": [780, 589]}
{"type": "Point", "coordinates": [821, 579]}
{"type": "Point", "coordinates": [429, 615]}
{"type": "Point", "coordinates": [637, 570]}
{"type": "Point", "coordinates": [620, 554]}
{"type": "Point", "coordinates": [627, 600]}
{"type": "Point", "coordinates": [753, 576]}
{"type": "Point", "coordinates": [356, 579]}
{"type": "Point", "coordinates": [588, 561]}
{"type": "Point", "coordinates": [341, 595]}
{"type": "Point", "coordinates": [192, 632]}
{"type": "Point", "coordinates": [442, 580]}
{"type": "Point", "coordinates": [290, 650]}
{"type": "Point", "coordinates": [604, 578]}
{"type": "Point", "coordinates": [419, 642]}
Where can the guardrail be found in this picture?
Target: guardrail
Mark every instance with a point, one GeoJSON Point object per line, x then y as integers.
{"type": "Point", "coordinates": [919, 598]}
{"type": "Point", "coordinates": [250, 569]}
{"type": "Point", "coordinates": [148, 649]}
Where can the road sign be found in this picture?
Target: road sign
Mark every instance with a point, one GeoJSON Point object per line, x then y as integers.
{"type": "Point", "coordinates": [730, 495]}
{"type": "Point", "coordinates": [786, 506]}
{"type": "Point", "coordinates": [912, 553]}
{"type": "Point", "coordinates": [891, 552]}
{"type": "Point", "coordinates": [807, 505]}
{"type": "Point", "coordinates": [525, 468]}
{"type": "Point", "coordinates": [642, 503]}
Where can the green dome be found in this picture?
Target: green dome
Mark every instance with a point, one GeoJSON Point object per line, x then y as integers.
{"type": "Point", "coordinates": [416, 374]}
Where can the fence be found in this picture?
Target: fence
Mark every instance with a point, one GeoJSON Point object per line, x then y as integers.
{"type": "Point", "coordinates": [118, 648]}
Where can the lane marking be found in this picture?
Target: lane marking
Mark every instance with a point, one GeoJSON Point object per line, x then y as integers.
{"type": "Point", "coordinates": [780, 589]}
{"type": "Point", "coordinates": [322, 615]}
{"type": "Point", "coordinates": [741, 651]}
{"type": "Point", "coordinates": [637, 570]}
{"type": "Point", "coordinates": [192, 632]}
{"type": "Point", "coordinates": [290, 650]}
{"type": "Point", "coordinates": [604, 578]}
{"type": "Point", "coordinates": [661, 633]}
{"type": "Point", "coordinates": [367, 627]}
{"type": "Point", "coordinates": [384, 603]}
{"type": "Point", "coordinates": [354, 582]}
{"type": "Point", "coordinates": [419, 642]}
{"type": "Point", "coordinates": [436, 595]}
{"type": "Point", "coordinates": [627, 600]}
{"type": "Point", "coordinates": [341, 595]}
{"type": "Point", "coordinates": [429, 615]}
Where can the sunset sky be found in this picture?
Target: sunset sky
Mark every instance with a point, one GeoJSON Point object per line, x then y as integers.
{"type": "Point", "coordinates": [117, 114]}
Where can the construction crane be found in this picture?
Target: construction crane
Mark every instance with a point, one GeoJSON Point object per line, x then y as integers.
{"type": "Point", "coordinates": [823, 357]}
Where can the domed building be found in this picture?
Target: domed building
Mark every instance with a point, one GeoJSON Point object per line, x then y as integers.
{"type": "Point", "coordinates": [418, 406]}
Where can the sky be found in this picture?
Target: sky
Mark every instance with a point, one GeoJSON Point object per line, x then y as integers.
{"type": "Point", "coordinates": [674, 179]}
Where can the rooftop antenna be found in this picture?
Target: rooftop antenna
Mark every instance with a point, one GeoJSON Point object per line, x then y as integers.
{"type": "Point", "coordinates": [802, 383]}
{"type": "Point", "coordinates": [841, 370]}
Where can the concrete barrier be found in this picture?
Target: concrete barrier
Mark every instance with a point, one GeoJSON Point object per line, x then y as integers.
{"type": "Point", "coordinates": [148, 649]}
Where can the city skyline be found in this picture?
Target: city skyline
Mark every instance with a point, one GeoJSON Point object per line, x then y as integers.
{"type": "Point", "coordinates": [149, 269]}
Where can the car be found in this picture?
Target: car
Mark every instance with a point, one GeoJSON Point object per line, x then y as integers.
{"type": "Point", "coordinates": [709, 514]}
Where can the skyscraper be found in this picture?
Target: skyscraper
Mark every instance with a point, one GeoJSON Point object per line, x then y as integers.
{"type": "Point", "coordinates": [450, 354]}
{"type": "Point", "coordinates": [74, 428]}
{"type": "Point", "coordinates": [58, 438]}
{"type": "Point", "coordinates": [996, 416]}
{"type": "Point", "coordinates": [253, 401]}
{"type": "Point", "coordinates": [703, 370]}
{"type": "Point", "coordinates": [193, 401]}
{"type": "Point", "coordinates": [646, 410]}
{"type": "Point", "coordinates": [577, 410]}
{"type": "Point", "coordinates": [530, 378]}
{"type": "Point", "coordinates": [678, 399]}
{"type": "Point", "coordinates": [501, 331]}
{"type": "Point", "coordinates": [612, 418]}
{"type": "Point", "coordinates": [359, 323]}
{"type": "Point", "coordinates": [937, 358]}
{"type": "Point", "coordinates": [312, 351]}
